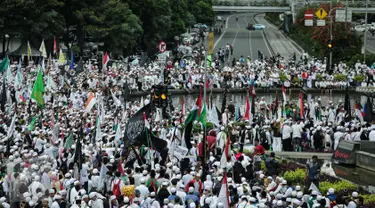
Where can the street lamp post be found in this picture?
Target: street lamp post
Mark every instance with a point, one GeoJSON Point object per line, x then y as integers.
{"type": "Point", "coordinates": [330, 34]}
{"type": "Point", "coordinates": [365, 36]}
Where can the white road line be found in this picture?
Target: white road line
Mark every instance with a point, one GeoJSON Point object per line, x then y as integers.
{"type": "Point", "coordinates": [234, 40]}
{"type": "Point", "coordinates": [245, 20]}
{"type": "Point", "coordinates": [238, 25]}
{"type": "Point", "coordinates": [265, 42]}
{"type": "Point", "coordinates": [222, 34]}
{"type": "Point", "coordinates": [250, 48]}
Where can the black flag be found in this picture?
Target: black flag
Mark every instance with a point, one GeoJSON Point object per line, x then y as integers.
{"type": "Point", "coordinates": [126, 92]}
{"type": "Point", "coordinates": [157, 143]}
{"type": "Point", "coordinates": [78, 151]}
{"type": "Point", "coordinates": [135, 132]}
{"type": "Point", "coordinates": [3, 96]}
{"type": "Point", "coordinates": [347, 105]}
{"type": "Point", "coordinates": [369, 114]}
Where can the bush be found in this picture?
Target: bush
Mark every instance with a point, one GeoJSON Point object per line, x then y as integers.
{"type": "Point", "coordinates": [338, 186]}
{"type": "Point", "coordinates": [359, 78]}
{"type": "Point", "coordinates": [368, 199]}
{"type": "Point", "coordinates": [319, 77]}
{"type": "Point", "coordinates": [340, 77]}
{"type": "Point", "coordinates": [283, 77]}
{"type": "Point", "coordinates": [295, 176]}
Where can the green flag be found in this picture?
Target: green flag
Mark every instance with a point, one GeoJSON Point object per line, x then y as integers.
{"type": "Point", "coordinates": [38, 90]}
{"type": "Point", "coordinates": [203, 117]}
{"type": "Point", "coordinates": [69, 141]}
{"type": "Point", "coordinates": [32, 124]}
{"type": "Point", "coordinates": [4, 64]}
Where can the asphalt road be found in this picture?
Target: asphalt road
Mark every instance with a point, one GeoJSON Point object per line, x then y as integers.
{"type": "Point", "coordinates": [245, 43]}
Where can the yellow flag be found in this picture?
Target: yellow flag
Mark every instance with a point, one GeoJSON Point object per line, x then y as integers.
{"type": "Point", "coordinates": [28, 50]}
{"type": "Point", "coordinates": [62, 59]}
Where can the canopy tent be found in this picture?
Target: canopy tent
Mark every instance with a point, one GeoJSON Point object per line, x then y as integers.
{"type": "Point", "coordinates": [22, 51]}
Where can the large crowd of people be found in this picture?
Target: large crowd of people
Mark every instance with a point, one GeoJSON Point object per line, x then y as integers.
{"type": "Point", "coordinates": [71, 152]}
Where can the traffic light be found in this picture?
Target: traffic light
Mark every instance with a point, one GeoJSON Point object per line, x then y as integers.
{"type": "Point", "coordinates": [330, 46]}
{"type": "Point", "coordinates": [156, 96]}
{"type": "Point", "coordinates": [164, 97]}
{"type": "Point", "coordinates": [160, 96]}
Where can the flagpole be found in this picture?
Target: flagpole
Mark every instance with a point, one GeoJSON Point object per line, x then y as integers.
{"type": "Point", "coordinates": [148, 142]}
{"type": "Point", "coordinates": [204, 126]}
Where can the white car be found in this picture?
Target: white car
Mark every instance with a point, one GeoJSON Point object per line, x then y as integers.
{"type": "Point", "coordinates": [361, 28]}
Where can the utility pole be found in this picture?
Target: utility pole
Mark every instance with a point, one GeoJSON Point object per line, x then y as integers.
{"type": "Point", "coordinates": [365, 36]}
{"type": "Point", "coordinates": [330, 34]}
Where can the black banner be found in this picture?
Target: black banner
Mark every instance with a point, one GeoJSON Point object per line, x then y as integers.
{"type": "Point", "coordinates": [136, 134]}
{"type": "Point", "coordinates": [135, 131]}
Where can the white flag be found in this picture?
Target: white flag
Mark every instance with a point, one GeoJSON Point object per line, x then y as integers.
{"type": "Point", "coordinates": [11, 127]}
{"type": "Point", "coordinates": [9, 75]}
{"type": "Point", "coordinates": [42, 49]}
{"type": "Point", "coordinates": [118, 133]}
{"type": "Point", "coordinates": [115, 99]}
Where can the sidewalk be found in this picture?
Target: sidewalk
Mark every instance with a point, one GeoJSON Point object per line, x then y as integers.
{"type": "Point", "coordinates": [279, 43]}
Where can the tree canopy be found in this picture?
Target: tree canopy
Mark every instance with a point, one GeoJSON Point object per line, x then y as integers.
{"type": "Point", "coordinates": [122, 25]}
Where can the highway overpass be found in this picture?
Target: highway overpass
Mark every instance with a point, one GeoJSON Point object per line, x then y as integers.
{"type": "Point", "coordinates": [261, 9]}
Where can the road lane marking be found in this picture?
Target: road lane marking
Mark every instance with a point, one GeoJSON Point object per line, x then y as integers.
{"type": "Point", "coordinates": [234, 40]}
{"type": "Point", "coordinates": [265, 42]}
{"type": "Point", "coordinates": [238, 26]}
{"type": "Point", "coordinates": [222, 34]}
{"type": "Point", "coordinates": [250, 48]}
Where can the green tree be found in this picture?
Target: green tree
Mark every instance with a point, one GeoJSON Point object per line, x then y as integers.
{"type": "Point", "coordinates": [31, 20]}
{"type": "Point", "coordinates": [115, 25]}
{"type": "Point", "coordinates": [155, 16]}
{"type": "Point", "coordinates": [202, 11]}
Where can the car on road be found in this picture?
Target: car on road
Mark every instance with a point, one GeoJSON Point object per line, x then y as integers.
{"type": "Point", "coordinates": [259, 27]}
{"type": "Point", "coordinates": [250, 27]}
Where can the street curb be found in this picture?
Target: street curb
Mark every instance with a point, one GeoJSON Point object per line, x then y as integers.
{"type": "Point", "coordinates": [241, 90]}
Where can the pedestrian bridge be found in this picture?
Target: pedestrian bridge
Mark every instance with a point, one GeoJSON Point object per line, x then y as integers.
{"type": "Point", "coordinates": [261, 9]}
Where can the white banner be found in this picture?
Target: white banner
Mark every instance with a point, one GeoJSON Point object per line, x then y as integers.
{"type": "Point", "coordinates": [180, 152]}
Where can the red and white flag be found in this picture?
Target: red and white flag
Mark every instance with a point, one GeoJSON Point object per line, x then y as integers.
{"type": "Point", "coordinates": [252, 91]}
{"type": "Point", "coordinates": [54, 45]}
{"type": "Point", "coordinates": [284, 94]}
{"type": "Point", "coordinates": [301, 107]}
{"type": "Point", "coordinates": [358, 113]}
{"type": "Point", "coordinates": [223, 194]}
{"type": "Point", "coordinates": [247, 111]}
{"type": "Point", "coordinates": [183, 106]}
{"type": "Point", "coordinates": [199, 103]}
{"type": "Point", "coordinates": [105, 59]}
{"type": "Point", "coordinates": [147, 124]}
{"type": "Point", "coordinates": [224, 157]}
{"type": "Point", "coordinates": [91, 101]}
